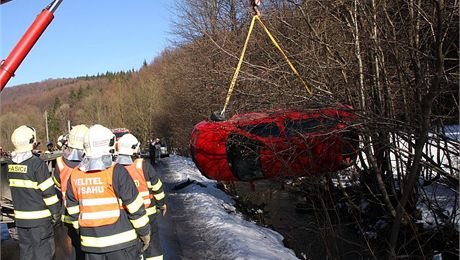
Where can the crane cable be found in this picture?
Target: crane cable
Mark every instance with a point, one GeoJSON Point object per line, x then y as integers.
{"type": "Point", "coordinates": [238, 67]}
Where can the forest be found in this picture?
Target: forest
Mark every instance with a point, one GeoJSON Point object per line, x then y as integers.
{"type": "Point", "coordinates": [395, 62]}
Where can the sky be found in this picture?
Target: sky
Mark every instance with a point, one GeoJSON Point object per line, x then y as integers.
{"type": "Point", "coordinates": [87, 37]}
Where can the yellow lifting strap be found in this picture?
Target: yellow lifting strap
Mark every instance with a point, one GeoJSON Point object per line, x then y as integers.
{"type": "Point", "coordinates": [238, 67]}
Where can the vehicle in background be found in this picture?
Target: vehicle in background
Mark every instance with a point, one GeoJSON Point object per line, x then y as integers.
{"type": "Point", "coordinates": [164, 152]}
{"type": "Point", "coordinates": [275, 144]}
{"type": "Point", "coordinates": [452, 132]}
{"type": "Point", "coordinates": [144, 154]}
{"type": "Point", "coordinates": [119, 132]}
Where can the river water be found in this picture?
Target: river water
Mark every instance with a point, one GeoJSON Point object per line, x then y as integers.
{"type": "Point", "coordinates": [284, 209]}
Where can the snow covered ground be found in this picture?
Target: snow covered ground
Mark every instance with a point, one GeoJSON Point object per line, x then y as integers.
{"type": "Point", "coordinates": [202, 222]}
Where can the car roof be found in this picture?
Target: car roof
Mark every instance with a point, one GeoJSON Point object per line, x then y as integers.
{"type": "Point", "coordinates": [271, 115]}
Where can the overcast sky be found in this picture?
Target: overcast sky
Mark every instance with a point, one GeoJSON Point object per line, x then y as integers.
{"type": "Point", "coordinates": [86, 37]}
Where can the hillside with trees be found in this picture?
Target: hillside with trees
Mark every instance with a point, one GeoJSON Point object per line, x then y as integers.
{"type": "Point", "coordinates": [395, 62]}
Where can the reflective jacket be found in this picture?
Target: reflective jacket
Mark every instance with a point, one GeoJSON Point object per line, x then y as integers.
{"type": "Point", "coordinates": [93, 202]}
{"type": "Point", "coordinates": [33, 192]}
{"type": "Point", "coordinates": [144, 175]}
{"type": "Point", "coordinates": [96, 196]}
{"type": "Point", "coordinates": [137, 174]}
{"type": "Point", "coordinates": [61, 176]}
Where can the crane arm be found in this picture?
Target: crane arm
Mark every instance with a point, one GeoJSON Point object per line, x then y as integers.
{"type": "Point", "coordinates": [25, 44]}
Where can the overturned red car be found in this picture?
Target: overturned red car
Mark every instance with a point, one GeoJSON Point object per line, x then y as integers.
{"type": "Point", "coordinates": [275, 144]}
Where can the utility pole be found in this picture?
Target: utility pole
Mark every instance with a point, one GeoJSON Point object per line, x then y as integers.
{"type": "Point", "coordinates": [46, 126]}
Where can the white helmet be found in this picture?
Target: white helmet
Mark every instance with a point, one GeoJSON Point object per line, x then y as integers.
{"type": "Point", "coordinates": [128, 145]}
{"type": "Point", "coordinates": [24, 138]}
{"type": "Point", "coordinates": [99, 141]}
{"type": "Point", "coordinates": [62, 141]}
{"type": "Point", "coordinates": [77, 136]}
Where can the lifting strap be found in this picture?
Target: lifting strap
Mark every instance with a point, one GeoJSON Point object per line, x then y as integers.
{"type": "Point", "coordinates": [238, 67]}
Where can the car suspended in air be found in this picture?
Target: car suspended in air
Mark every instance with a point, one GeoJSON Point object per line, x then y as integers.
{"type": "Point", "coordinates": [275, 144]}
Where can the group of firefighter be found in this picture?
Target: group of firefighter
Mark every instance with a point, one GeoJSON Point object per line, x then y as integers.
{"type": "Point", "coordinates": [107, 203]}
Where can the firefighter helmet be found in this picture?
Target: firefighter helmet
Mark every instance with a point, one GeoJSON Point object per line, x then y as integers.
{"type": "Point", "coordinates": [128, 145]}
{"type": "Point", "coordinates": [62, 142]}
{"type": "Point", "coordinates": [98, 141]}
{"type": "Point", "coordinates": [77, 136]}
{"type": "Point", "coordinates": [24, 138]}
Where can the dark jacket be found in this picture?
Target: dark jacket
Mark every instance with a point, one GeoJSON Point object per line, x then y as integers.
{"type": "Point", "coordinates": [33, 192]}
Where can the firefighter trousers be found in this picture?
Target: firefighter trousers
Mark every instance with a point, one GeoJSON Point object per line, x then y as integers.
{"type": "Point", "coordinates": [154, 251]}
{"type": "Point", "coordinates": [76, 254]}
{"type": "Point", "coordinates": [130, 253]}
{"type": "Point", "coordinates": [36, 242]}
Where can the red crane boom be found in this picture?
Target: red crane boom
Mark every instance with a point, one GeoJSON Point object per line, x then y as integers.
{"type": "Point", "coordinates": [25, 44]}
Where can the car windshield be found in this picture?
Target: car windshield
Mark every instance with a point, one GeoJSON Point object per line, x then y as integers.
{"type": "Point", "coordinates": [263, 129]}
{"type": "Point", "coordinates": [310, 125]}
{"type": "Point", "coordinates": [295, 127]}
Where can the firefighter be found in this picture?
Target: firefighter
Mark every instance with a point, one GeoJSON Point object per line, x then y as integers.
{"type": "Point", "coordinates": [144, 176]}
{"type": "Point", "coordinates": [62, 142]}
{"type": "Point", "coordinates": [94, 191]}
{"type": "Point", "coordinates": [36, 205]}
{"type": "Point", "coordinates": [157, 145]}
{"type": "Point", "coordinates": [72, 156]}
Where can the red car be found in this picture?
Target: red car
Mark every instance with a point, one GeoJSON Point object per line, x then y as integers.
{"type": "Point", "coordinates": [275, 144]}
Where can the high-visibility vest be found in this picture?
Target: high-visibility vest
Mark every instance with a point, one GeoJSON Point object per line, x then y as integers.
{"type": "Point", "coordinates": [64, 174]}
{"type": "Point", "coordinates": [137, 174]}
{"type": "Point", "coordinates": [98, 202]}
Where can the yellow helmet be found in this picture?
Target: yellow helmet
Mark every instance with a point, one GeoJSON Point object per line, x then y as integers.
{"type": "Point", "coordinates": [77, 136]}
{"type": "Point", "coordinates": [24, 138]}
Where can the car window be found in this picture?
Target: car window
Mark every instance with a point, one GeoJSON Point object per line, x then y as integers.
{"type": "Point", "coordinates": [330, 122]}
{"type": "Point", "coordinates": [294, 127]}
{"type": "Point", "coordinates": [264, 129]}
{"type": "Point", "coordinates": [243, 154]}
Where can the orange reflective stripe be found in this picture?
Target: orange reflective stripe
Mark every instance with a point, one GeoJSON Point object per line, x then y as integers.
{"type": "Point", "coordinates": [137, 174]}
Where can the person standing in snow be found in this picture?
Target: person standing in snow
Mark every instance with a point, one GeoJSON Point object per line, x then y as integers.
{"type": "Point", "coordinates": [157, 145]}
{"type": "Point", "coordinates": [150, 188]}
